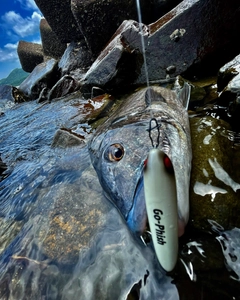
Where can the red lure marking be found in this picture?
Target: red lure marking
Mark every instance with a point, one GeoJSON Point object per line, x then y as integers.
{"type": "Point", "coordinates": [145, 163]}
{"type": "Point", "coordinates": [168, 163]}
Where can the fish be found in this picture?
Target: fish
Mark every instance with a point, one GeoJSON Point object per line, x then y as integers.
{"type": "Point", "coordinates": [60, 237]}
{"type": "Point", "coordinates": [120, 147]}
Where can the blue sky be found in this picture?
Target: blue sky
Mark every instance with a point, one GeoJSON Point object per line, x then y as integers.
{"type": "Point", "coordinates": [19, 20]}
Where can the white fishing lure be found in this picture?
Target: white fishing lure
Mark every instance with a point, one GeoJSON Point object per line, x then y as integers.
{"type": "Point", "coordinates": [161, 203]}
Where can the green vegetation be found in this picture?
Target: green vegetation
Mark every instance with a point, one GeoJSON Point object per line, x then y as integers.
{"type": "Point", "coordinates": [15, 78]}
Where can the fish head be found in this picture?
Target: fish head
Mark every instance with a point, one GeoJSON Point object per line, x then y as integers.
{"type": "Point", "coordinates": [119, 156]}
{"type": "Point", "coordinates": [120, 147]}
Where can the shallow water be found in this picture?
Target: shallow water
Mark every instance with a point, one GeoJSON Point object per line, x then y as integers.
{"type": "Point", "coordinates": [61, 239]}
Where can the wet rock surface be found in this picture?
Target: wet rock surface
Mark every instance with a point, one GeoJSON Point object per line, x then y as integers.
{"type": "Point", "coordinates": [66, 85]}
{"type": "Point", "coordinates": [45, 75]}
{"type": "Point", "coordinates": [76, 60]}
{"type": "Point", "coordinates": [9, 96]}
{"type": "Point", "coordinates": [116, 65]}
{"type": "Point", "coordinates": [215, 179]}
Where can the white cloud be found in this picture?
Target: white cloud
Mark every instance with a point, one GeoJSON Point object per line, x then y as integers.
{"type": "Point", "coordinates": [9, 53]}
{"type": "Point", "coordinates": [22, 26]}
{"type": "Point", "coordinates": [28, 4]}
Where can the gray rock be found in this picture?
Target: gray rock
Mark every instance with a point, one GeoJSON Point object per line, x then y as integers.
{"type": "Point", "coordinates": [194, 35]}
{"type": "Point", "coordinates": [161, 7]}
{"type": "Point", "coordinates": [45, 75]}
{"type": "Point", "coordinates": [118, 64]}
{"type": "Point", "coordinates": [229, 87]}
{"type": "Point", "coordinates": [64, 139]}
{"type": "Point", "coordinates": [30, 55]}
{"type": "Point", "coordinates": [60, 18]}
{"type": "Point", "coordinates": [52, 46]}
{"type": "Point", "coordinates": [66, 85]}
{"type": "Point", "coordinates": [9, 96]}
{"type": "Point", "coordinates": [98, 20]}
{"type": "Point", "coordinates": [6, 92]}
{"type": "Point", "coordinates": [190, 38]}
{"type": "Point", "coordinates": [76, 60]}
{"type": "Point", "coordinates": [228, 72]}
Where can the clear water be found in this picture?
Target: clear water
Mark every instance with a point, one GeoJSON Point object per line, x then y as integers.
{"type": "Point", "coordinates": [59, 236]}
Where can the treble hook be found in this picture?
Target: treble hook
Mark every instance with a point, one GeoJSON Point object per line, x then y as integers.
{"type": "Point", "coordinates": [157, 126]}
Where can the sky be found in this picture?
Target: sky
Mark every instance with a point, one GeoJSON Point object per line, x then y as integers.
{"type": "Point", "coordinates": [19, 20]}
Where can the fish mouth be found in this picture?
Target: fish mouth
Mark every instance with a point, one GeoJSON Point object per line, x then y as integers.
{"type": "Point", "coordinates": [137, 216]}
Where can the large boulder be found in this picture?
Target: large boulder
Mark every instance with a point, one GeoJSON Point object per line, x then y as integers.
{"type": "Point", "coordinates": [66, 85]}
{"type": "Point", "coordinates": [60, 18]}
{"type": "Point", "coordinates": [117, 66]}
{"type": "Point", "coordinates": [190, 38]}
{"type": "Point", "coordinates": [30, 55]}
{"type": "Point", "coordinates": [98, 20]}
{"type": "Point", "coordinates": [161, 7]}
{"type": "Point", "coordinates": [76, 60]}
{"type": "Point", "coordinates": [43, 77]}
{"type": "Point", "coordinates": [52, 46]}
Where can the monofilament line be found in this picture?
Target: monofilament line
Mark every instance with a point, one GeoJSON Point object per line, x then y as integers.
{"type": "Point", "coordinates": [142, 41]}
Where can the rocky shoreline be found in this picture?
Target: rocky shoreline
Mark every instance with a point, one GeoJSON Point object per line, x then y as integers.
{"type": "Point", "coordinates": [90, 59]}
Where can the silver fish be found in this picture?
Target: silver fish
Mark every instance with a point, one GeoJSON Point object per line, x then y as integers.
{"type": "Point", "coordinates": [121, 145]}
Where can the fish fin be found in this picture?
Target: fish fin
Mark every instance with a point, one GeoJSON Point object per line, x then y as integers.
{"type": "Point", "coordinates": [184, 95]}
{"type": "Point", "coordinates": [153, 96]}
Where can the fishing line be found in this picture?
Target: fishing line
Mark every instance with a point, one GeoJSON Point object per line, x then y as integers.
{"type": "Point", "coordinates": [146, 72]}
{"type": "Point", "coordinates": [142, 41]}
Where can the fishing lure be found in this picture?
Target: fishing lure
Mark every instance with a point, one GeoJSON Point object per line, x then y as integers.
{"type": "Point", "coordinates": [161, 204]}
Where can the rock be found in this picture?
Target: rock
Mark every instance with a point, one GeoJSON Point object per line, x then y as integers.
{"type": "Point", "coordinates": [60, 18]}
{"type": "Point", "coordinates": [228, 72]}
{"type": "Point", "coordinates": [6, 92]}
{"type": "Point", "coordinates": [51, 45]}
{"type": "Point", "coordinates": [3, 166]}
{"type": "Point", "coordinates": [205, 93]}
{"type": "Point", "coordinates": [76, 60]}
{"type": "Point", "coordinates": [30, 55]}
{"type": "Point", "coordinates": [117, 65]}
{"type": "Point", "coordinates": [9, 96]}
{"type": "Point", "coordinates": [229, 81]}
{"type": "Point", "coordinates": [70, 220]}
{"type": "Point", "coordinates": [98, 20]}
{"type": "Point", "coordinates": [161, 7]}
{"type": "Point", "coordinates": [215, 178]}
{"type": "Point", "coordinates": [66, 85]}
{"type": "Point", "coordinates": [192, 40]}
{"type": "Point", "coordinates": [64, 139]}
{"type": "Point", "coordinates": [229, 88]}
{"type": "Point", "coordinates": [45, 75]}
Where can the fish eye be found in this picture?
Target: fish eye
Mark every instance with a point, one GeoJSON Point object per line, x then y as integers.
{"type": "Point", "coordinates": [115, 152]}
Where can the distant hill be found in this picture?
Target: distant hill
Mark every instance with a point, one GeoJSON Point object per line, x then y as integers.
{"type": "Point", "coordinates": [15, 78]}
